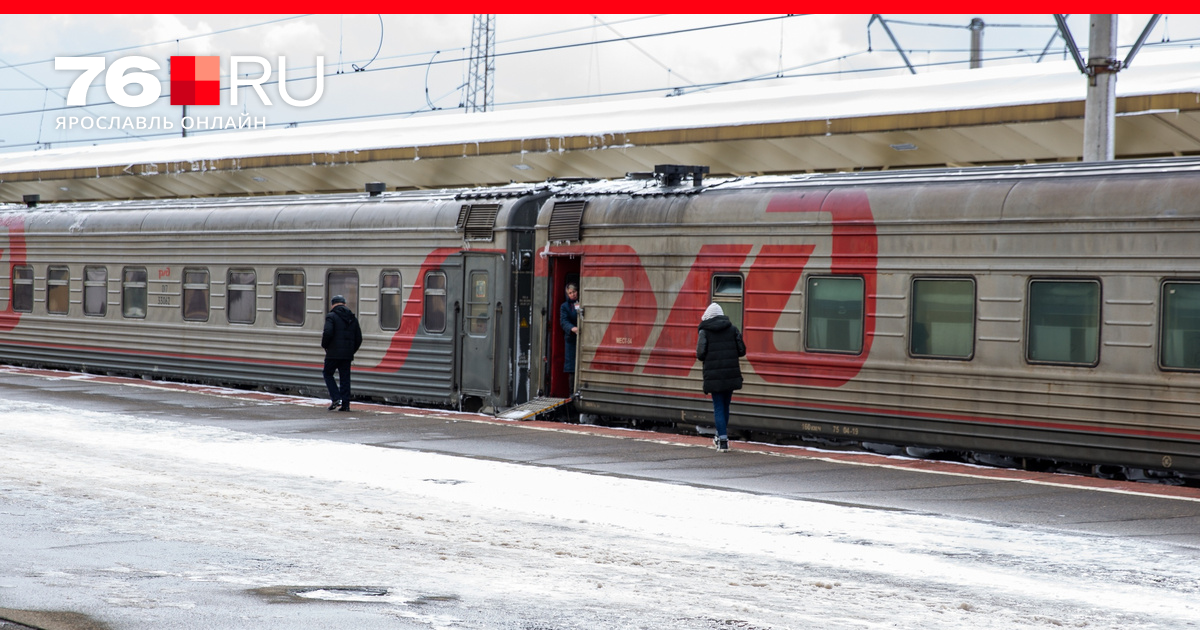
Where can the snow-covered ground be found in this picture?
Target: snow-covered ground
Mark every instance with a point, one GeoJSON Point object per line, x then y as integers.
{"type": "Point", "coordinates": [498, 545]}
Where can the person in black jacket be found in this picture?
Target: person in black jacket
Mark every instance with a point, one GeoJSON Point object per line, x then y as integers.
{"type": "Point", "coordinates": [568, 319]}
{"type": "Point", "coordinates": [341, 339]}
{"type": "Point", "coordinates": [719, 347]}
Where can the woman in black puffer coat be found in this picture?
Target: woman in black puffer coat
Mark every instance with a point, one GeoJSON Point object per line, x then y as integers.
{"type": "Point", "coordinates": [719, 348]}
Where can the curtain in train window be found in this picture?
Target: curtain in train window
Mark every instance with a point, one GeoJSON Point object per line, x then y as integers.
{"type": "Point", "coordinates": [1064, 322]}
{"type": "Point", "coordinates": [435, 302]}
{"type": "Point", "coordinates": [241, 306]}
{"type": "Point", "coordinates": [195, 295]}
{"type": "Point", "coordinates": [133, 292]}
{"type": "Point", "coordinates": [834, 321]}
{"type": "Point", "coordinates": [289, 298]}
{"type": "Point", "coordinates": [727, 292]}
{"type": "Point", "coordinates": [58, 290]}
{"type": "Point", "coordinates": [1180, 343]}
{"type": "Point", "coordinates": [22, 288]}
{"type": "Point", "coordinates": [477, 304]}
{"type": "Point", "coordinates": [95, 291]}
{"type": "Point", "coordinates": [943, 318]}
{"type": "Point", "coordinates": [343, 282]}
{"type": "Point", "coordinates": [389, 299]}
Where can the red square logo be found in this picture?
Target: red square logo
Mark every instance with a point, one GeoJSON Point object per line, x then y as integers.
{"type": "Point", "coordinates": [195, 80]}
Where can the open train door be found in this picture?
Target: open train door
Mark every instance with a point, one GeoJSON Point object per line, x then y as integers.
{"type": "Point", "coordinates": [564, 270]}
{"type": "Point", "coordinates": [478, 337]}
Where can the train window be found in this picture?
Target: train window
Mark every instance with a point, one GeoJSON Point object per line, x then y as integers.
{"type": "Point", "coordinates": [22, 288]}
{"type": "Point", "coordinates": [435, 302]}
{"type": "Point", "coordinates": [943, 318]}
{"type": "Point", "coordinates": [342, 282]}
{"type": "Point", "coordinates": [95, 291]}
{"type": "Point", "coordinates": [195, 295]}
{"type": "Point", "coordinates": [133, 292]}
{"type": "Point", "coordinates": [289, 298]}
{"type": "Point", "coordinates": [389, 299]}
{"type": "Point", "coordinates": [58, 290]}
{"type": "Point", "coordinates": [1179, 347]}
{"type": "Point", "coordinates": [477, 305]}
{"type": "Point", "coordinates": [1064, 322]}
{"type": "Point", "coordinates": [241, 305]}
{"type": "Point", "coordinates": [727, 291]}
{"type": "Point", "coordinates": [834, 315]}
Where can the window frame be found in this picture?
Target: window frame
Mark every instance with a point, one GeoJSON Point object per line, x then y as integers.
{"type": "Point", "coordinates": [94, 284]}
{"type": "Point", "coordinates": [54, 286]}
{"type": "Point", "coordinates": [1162, 324]}
{"type": "Point", "coordinates": [1028, 333]}
{"type": "Point", "coordinates": [126, 285]}
{"type": "Point", "coordinates": [24, 282]}
{"type": "Point", "coordinates": [189, 288]}
{"type": "Point", "coordinates": [912, 316]}
{"type": "Point", "coordinates": [807, 330]}
{"type": "Point", "coordinates": [725, 302]}
{"type": "Point", "coordinates": [426, 293]}
{"type": "Point", "coordinates": [301, 288]}
{"type": "Point", "coordinates": [384, 303]}
{"type": "Point", "coordinates": [231, 287]}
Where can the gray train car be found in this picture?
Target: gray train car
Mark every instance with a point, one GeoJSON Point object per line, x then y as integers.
{"type": "Point", "coordinates": [1046, 312]}
{"type": "Point", "coordinates": [235, 290]}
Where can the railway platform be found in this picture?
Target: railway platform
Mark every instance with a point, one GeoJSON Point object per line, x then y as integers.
{"type": "Point", "coordinates": [1118, 509]}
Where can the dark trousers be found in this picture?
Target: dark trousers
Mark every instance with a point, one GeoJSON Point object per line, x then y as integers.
{"type": "Point", "coordinates": [721, 401]}
{"type": "Point", "coordinates": [343, 369]}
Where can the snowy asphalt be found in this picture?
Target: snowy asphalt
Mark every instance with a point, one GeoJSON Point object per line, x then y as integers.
{"type": "Point", "coordinates": [933, 541]}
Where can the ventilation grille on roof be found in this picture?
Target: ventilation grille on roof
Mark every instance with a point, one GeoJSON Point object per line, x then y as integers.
{"type": "Point", "coordinates": [480, 221]}
{"type": "Point", "coordinates": [565, 220]}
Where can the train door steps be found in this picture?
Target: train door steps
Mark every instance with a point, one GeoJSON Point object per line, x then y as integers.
{"type": "Point", "coordinates": [533, 408]}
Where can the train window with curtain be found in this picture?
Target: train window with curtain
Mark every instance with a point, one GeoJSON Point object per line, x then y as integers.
{"type": "Point", "coordinates": [477, 304]}
{"type": "Point", "coordinates": [22, 288]}
{"type": "Point", "coordinates": [289, 298]}
{"type": "Point", "coordinates": [434, 317]}
{"type": "Point", "coordinates": [241, 303]}
{"type": "Point", "coordinates": [390, 288]}
{"type": "Point", "coordinates": [58, 290]}
{"type": "Point", "coordinates": [1063, 325]}
{"type": "Point", "coordinates": [1179, 345]}
{"type": "Point", "coordinates": [95, 291]}
{"type": "Point", "coordinates": [727, 292]}
{"type": "Point", "coordinates": [195, 295]}
{"type": "Point", "coordinates": [343, 282]}
{"type": "Point", "coordinates": [942, 325]}
{"type": "Point", "coordinates": [834, 314]}
{"type": "Point", "coordinates": [133, 292]}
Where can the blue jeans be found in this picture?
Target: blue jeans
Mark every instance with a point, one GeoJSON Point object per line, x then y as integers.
{"type": "Point", "coordinates": [721, 402]}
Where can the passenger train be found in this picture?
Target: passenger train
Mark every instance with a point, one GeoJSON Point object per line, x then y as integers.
{"type": "Point", "coordinates": [1042, 313]}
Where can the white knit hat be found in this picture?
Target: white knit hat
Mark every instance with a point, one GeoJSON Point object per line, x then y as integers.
{"type": "Point", "coordinates": [712, 311]}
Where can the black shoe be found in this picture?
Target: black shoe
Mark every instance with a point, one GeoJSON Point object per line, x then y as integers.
{"type": "Point", "coordinates": [345, 407]}
{"type": "Point", "coordinates": [334, 406]}
{"type": "Point", "coordinates": [722, 445]}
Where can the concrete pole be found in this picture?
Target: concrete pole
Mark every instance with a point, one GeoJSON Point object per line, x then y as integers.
{"type": "Point", "coordinates": [1101, 105]}
{"type": "Point", "coordinates": [976, 27]}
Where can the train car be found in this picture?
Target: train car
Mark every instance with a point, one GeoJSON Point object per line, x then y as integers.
{"type": "Point", "coordinates": [235, 290]}
{"type": "Point", "coordinates": [1041, 312]}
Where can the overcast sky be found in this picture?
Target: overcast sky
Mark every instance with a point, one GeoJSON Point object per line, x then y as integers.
{"type": "Point", "coordinates": [414, 65]}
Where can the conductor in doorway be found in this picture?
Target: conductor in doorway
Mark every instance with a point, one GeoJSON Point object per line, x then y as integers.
{"type": "Point", "coordinates": [341, 339]}
{"type": "Point", "coordinates": [568, 318]}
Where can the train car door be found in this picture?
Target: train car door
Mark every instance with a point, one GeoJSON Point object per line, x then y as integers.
{"type": "Point", "coordinates": [564, 271]}
{"type": "Point", "coordinates": [479, 334]}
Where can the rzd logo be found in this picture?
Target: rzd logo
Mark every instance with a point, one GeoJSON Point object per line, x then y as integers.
{"type": "Point", "coordinates": [194, 80]}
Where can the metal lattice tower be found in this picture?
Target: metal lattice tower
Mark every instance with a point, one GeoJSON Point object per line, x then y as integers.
{"type": "Point", "coordinates": [481, 79]}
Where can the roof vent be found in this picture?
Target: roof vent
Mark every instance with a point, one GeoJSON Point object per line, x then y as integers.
{"type": "Point", "coordinates": [31, 201]}
{"type": "Point", "coordinates": [672, 174]}
{"type": "Point", "coordinates": [376, 188]}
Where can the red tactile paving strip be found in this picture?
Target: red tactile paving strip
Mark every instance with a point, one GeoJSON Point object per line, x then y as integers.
{"type": "Point", "coordinates": [854, 458]}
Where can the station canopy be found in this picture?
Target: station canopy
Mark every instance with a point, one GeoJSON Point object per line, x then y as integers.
{"type": "Point", "coordinates": [1003, 115]}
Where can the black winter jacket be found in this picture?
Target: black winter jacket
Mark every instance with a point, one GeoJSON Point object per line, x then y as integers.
{"type": "Point", "coordinates": [719, 347]}
{"type": "Point", "coordinates": [342, 335]}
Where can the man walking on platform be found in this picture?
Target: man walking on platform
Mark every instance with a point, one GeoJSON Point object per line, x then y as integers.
{"type": "Point", "coordinates": [341, 339]}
